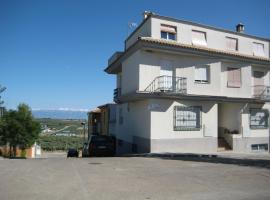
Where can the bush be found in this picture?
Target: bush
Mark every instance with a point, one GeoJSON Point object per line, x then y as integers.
{"type": "Point", "coordinates": [23, 153]}
{"type": "Point", "coordinates": [54, 143]}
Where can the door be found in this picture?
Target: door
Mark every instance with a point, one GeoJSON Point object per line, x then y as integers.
{"type": "Point", "coordinates": [258, 80]}
{"type": "Point", "coordinates": [166, 75]}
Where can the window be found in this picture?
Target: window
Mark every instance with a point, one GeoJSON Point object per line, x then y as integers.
{"type": "Point", "coordinates": [168, 32]}
{"type": "Point", "coordinates": [258, 118]}
{"type": "Point", "coordinates": [187, 118]}
{"type": "Point", "coordinates": [258, 49]}
{"type": "Point", "coordinates": [202, 74]}
{"type": "Point", "coordinates": [259, 147]}
{"type": "Point", "coordinates": [199, 38]}
{"type": "Point", "coordinates": [234, 77]}
{"type": "Point", "coordinates": [231, 44]}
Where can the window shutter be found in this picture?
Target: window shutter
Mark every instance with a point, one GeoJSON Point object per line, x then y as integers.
{"type": "Point", "coordinates": [201, 73]}
{"type": "Point", "coordinates": [199, 38]}
{"type": "Point", "coordinates": [234, 77]}
{"type": "Point", "coordinates": [237, 77]}
{"type": "Point", "coordinates": [258, 49]}
{"type": "Point", "coordinates": [231, 43]}
{"type": "Point", "coordinates": [168, 28]}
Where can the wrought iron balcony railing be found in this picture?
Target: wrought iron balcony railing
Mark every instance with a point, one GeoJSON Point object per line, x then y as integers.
{"type": "Point", "coordinates": [116, 94]}
{"type": "Point", "coordinates": [168, 84]}
{"type": "Point", "coordinates": [261, 92]}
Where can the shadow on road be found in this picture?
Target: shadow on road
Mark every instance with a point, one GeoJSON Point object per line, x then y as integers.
{"type": "Point", "coordinates": [259, 163]}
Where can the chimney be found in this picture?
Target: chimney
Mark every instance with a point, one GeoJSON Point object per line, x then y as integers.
{"type": "Point", "coordinates": [240, 28]}
{"type": "Point", "coordinates": [147, 14]}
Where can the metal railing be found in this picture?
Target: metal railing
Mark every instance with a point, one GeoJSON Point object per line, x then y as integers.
{"type": "Point", "coordinates": [116, 94]}
{"type": "Point", "coordinates": [261, 92]}
{"type": "Point", "coordinates": [171, 84]}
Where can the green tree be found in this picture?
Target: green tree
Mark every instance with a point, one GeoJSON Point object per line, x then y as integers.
{"type": "Point", "coordinates": [18, 128]}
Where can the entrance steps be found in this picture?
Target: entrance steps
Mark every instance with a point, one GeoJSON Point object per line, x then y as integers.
{"type": "Point", "coordinates": [223, 145]}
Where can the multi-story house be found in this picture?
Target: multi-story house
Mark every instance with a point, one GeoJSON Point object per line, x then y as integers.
{"type": "Point", "coordinates": [187, 87]}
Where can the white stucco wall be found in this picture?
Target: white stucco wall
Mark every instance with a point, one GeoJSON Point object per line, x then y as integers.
{"type": "Point", "coordinates": [245, 91]}
{"type": "Point", "coordinates": [136, 121]}
{"type": "Point", "coordinates": [162, 120]}
{"type": "Point", "coordinates": [184, 66]}
{"type": "Point", "coordinates": [215, 39]}
{"type": "Point", "coordinates": [130, 73]}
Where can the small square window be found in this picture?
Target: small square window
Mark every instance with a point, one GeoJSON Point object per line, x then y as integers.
{"type": "Point", "coordinates": [168, 32]}
{"type": "Point", "coordinates": [231, 44]}
{"type": "Point", "coordinates": [199, 38]}
{"type": "Point", "coordinates": [258, 49]}
{"type": "Point", "coordinates": [258, 118]}
{"type": "Point", "coordinates": [202, 74]}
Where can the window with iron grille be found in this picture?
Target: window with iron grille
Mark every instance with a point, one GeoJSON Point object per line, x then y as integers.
{"type": "Point", "coordinates": [187, 118]}
{"type": "Point", "coordinates": [258, 118]}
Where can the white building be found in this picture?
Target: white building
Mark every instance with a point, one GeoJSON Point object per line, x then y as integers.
{"type": "Point", "coordinates": [188, 87]}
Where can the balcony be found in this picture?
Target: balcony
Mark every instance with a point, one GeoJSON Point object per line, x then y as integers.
{"type": "Point", "coordinates": [116, 94]}
{"type": "Point", "coordinates": [261, 92]}
{"type": "Point", "coordinates": [168, 84]}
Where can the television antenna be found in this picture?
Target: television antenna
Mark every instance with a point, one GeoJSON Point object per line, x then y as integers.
{"type": "Point", "coordinates": [131, 26]}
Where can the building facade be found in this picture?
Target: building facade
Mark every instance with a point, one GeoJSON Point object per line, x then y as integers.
{"type": "Point", "coordinates": [186, 87]}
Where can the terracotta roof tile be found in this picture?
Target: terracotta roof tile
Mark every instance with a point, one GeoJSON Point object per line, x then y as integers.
{"type": "Point", "coordinates": [201, 48]}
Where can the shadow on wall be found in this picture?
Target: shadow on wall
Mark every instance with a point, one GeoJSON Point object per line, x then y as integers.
{"type": "Point", "coordinates": [167, 104]}
{"type": "Point", "coordinates": [258, 163]}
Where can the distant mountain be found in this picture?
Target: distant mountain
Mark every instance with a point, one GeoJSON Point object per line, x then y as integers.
{"type": "Point", "coordinates": [60, 114]}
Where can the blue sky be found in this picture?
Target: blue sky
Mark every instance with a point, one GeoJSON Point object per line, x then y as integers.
{"type": "Point", "coordinates": [53, 52]}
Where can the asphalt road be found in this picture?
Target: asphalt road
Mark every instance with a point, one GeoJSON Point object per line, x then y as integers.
{"type": "Point", "coordinates": [133, 178]}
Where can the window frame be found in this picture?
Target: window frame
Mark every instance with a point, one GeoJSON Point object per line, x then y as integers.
{"type": "Point", "coordinates": [167, 32]}
{"type": "Point", "coordinates": [237, 43]}
{"type": "Point", "coordinates": [205, 36]}
{"type": "Point", "coordinates": [208, 75]}
{"type": "Point", "coordinates": [253, 51]}
{"type": "Point", "coordinates": [187, 108]}
{"type": "Point", "coordinates": [231, 86]}
{"type": "Point", "coordinates": [256, 127]}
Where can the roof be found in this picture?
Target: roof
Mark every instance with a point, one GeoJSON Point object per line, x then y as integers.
{"type": "Point", "coordinates": [195, 24]}
{"type": "Point", "coordinates": [106, 105]}
{"type": "Point", "coordinates": [96, 110]}
{"type": "Point", "coordinates": [194, 47]}
{"type": "Point", "coordinates": [159, 44]}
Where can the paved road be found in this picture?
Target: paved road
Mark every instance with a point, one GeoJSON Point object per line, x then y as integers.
{"type": "Point", "coordinates": [133, 178]}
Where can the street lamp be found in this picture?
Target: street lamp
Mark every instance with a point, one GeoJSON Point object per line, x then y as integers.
{"type": "Point", "coordinates": [83, 123]}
